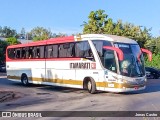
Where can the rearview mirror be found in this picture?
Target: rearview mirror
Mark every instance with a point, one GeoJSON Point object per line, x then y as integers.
{"type": "Point", "coordinates": [148, 52]}
{"type": "Point", "coordinates": [119, 51]}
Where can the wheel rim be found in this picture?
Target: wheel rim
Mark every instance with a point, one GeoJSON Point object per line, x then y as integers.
{"type": "Point", "coordinates": [25, 80]}
{"type": "Point", "coordinates": [89, 86]}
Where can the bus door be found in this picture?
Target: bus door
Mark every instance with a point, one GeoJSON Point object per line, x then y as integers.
{"type": "Point", "coordinates": [86, 66]}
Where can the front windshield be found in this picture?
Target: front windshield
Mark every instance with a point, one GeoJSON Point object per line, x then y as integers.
{"type": "Point", "coordinates": [133, 64]}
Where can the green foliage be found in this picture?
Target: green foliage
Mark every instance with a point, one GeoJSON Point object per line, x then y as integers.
{"type": "Point", "coordinates": [7, 32]}
{"type": "Point", "coordinates": [109, 26]}
{"type": "Point", "coordinates": [95, 23]}
{"type": "Point", "coordinates": [22, 34]}
{"type": "Point", "coordinates": [153, 45]}
{"type": "Point", "coordinates": [3, 46]}
{"type": "Point", "coordinates": [59, 35]}
{"type": "Point", "coordinates": [40, 33]}
{"type": "Point", "coordinates": [12, 41]}
{"type": "Point", "coordinates": [98, 23]}
{"type": "Point", "coordinates": [155, 61]}
{"type": "Point", "coordinates": [118, 28]}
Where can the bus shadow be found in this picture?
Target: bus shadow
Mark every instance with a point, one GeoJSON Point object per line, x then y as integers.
{"type": "Point", "coordinates": [62, 89]}
{"type": "Point", "coordinates": [52, 88]}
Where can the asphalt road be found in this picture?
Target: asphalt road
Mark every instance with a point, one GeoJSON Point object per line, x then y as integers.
{"type": "Point", "coordinates": [51, 98]}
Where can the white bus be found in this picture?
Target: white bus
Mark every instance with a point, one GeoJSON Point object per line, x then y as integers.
{"type": "Point", "coordinates": [92, 61]}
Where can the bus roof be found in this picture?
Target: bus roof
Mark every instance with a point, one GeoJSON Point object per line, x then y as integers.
{"type": "Point", "coordinates": [108, 37]}
{"type": "Point", "coordinates": [113, 38]}
{"type": "Point", "coordinates": [43, 42]}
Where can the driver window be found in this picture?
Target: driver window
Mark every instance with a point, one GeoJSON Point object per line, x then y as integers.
{"type": "Point", "coordinates": [109, 60]}
{"type": "Point", "coordinates": [83, 50]}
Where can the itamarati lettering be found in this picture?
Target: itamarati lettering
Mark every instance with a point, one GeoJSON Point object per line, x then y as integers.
{"type": "Point", "coordinates": [80, 66]}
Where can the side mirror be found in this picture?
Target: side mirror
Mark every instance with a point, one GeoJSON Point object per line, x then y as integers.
{"type": "Point", "coordinates": [119, 51]}
{"type": "Point", "coordinates": [148, 52]}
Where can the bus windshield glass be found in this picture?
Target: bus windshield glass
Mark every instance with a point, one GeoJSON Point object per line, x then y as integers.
{"type": "Point", "coordinates": [133, 63]}
{"type": "Point", "coordinates": [131, 66]}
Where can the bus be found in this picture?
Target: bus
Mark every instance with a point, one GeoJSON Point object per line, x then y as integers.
{"type": "Point", "coordinates": [95, 62]}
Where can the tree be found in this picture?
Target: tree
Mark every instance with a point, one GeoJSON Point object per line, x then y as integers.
{"type": "Point", "coordinates": [118, 28]}
{"type": "Point", "coordinates": [23, 34]}
{"type": "Point", "coordinates": [3, 47]}
{"type": "Point", "coordinates": [153, 45]}
{"type": "Point", "coordinates": [96, 22]}
{"type": "Point", "coordinates": [12, 41]}
{"type": "Point", "coordinates": [59, 35]}
{"type": "Point", "coordinates": [40, 33]}
{"type": "Point", "coordinates": [155, 61]}
{"type": "Point", "coordinates": [143, 36]}
{"type": "Point", "coordinates": [99, 24]}
{"type": "Point", "coordinates": [109, 26]}
{"type": "Point", "coordinates": [7, 32]}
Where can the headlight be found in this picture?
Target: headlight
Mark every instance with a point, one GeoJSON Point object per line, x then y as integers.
{"type": "Point", "coordinates": [145, 79]}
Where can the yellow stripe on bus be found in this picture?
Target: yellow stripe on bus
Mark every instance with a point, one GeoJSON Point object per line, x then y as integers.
{"type": "Point", "coordinates": [78, 82]}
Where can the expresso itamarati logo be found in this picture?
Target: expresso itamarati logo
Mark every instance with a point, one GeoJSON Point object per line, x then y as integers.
{"type": "Point", "coordinates": [83, 65]}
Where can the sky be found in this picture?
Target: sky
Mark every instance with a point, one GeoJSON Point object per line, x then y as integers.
{"type": "Point", "coordinates": [67, 16]}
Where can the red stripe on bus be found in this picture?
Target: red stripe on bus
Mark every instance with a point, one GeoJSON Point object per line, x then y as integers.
{"type": "Point", "coordinates": [60, 40]}
{"type": "Point", "coordinates": [48, 59]}
{"type": "Point", "coordinates": [62, 59]}
{"type": "Point", "coordinates": [45, 42]}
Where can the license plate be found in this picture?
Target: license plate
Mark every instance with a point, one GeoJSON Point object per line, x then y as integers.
{"type": "Point", "coordinates": [110, 85]}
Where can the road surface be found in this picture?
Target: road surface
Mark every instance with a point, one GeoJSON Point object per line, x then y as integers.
{"type": "Point", "coordinates": [51, 98]}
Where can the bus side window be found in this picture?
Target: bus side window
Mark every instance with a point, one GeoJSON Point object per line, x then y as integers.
{"type": "Point", "coordinates": [52, 51]}
{"type": "Point", "coordinates": [30, 52]}
{"type": "Point", "coordinates": [55, 51]}
{"type": "Point", "coordinates": [34, 52]}
{"type": "Point", "coordinates": [79, 52]}
{"type": "Point", "coordinates": [71, 50]}
{"type": "Point", "coordinates": [49, 51]}
{"type": "Point", "coordinates": [41, 51]}
{"type": "Point", "coordinates": [27, 52]}
{"type": "Point", "coordinates": [23, 53]}
{"type": "Point", "coordinates": [83, 50]}
{"type": "Point", "coordinates": [62, 50]}
{"type": "Point", "coordinates": [65, 50]}
{"type": "Point", "coordinates": [18, 53]}
{"type": "Point", "coordinates": [38, 52]}
{"type": "Point", "coordinates": [11, 53]}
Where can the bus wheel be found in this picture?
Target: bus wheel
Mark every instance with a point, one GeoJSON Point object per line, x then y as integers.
{"type": "Point", "coordinates": [24, 80]}
{"type": "Point", "coordinates": [91, 86]}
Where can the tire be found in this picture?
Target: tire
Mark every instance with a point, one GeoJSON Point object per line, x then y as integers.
{"type": "Point", "coordinates": [151, 77]}
{"type": "Point", "coordinates": [24, 80]}
{"type": "Point", "coordinates": [91, 86]}
{"type": "Point", "coordinates": [156, 77]}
